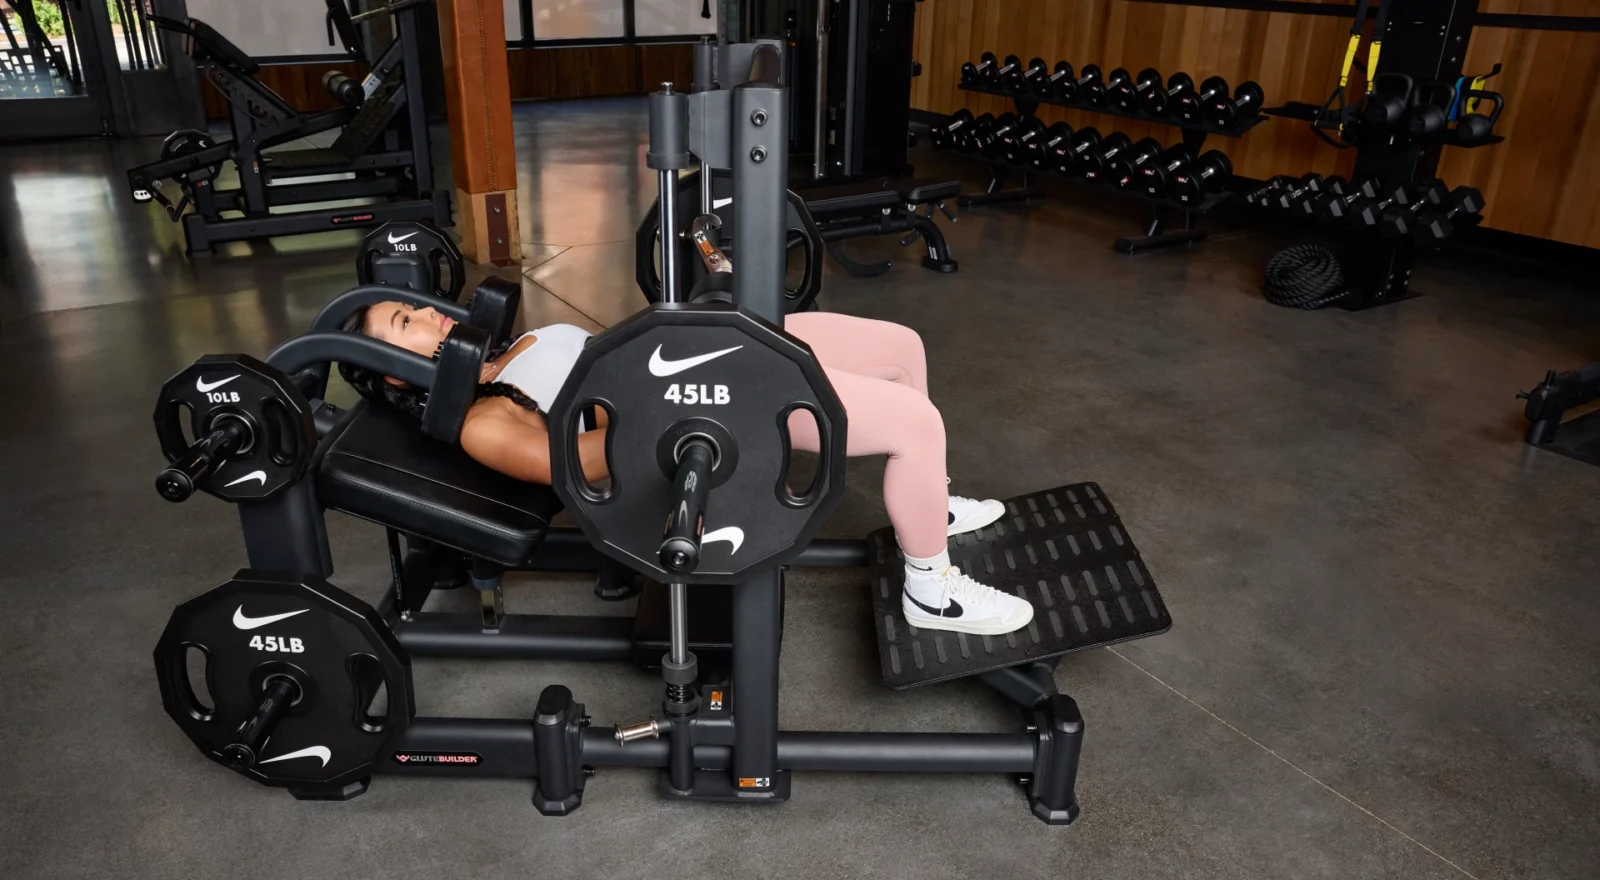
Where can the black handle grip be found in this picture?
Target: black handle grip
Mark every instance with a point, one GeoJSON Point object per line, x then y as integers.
{"type": "Point", "coordinates": [177, 482]}
{"type": "Point", "coordinates": [245, 750]}
{"type": "Point", "coordinates": [680, 546]}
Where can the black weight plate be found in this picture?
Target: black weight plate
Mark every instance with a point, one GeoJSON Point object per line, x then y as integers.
{"type": "Point", "coordinates": [264, 623]}
{"type": "Point", "coordinates": [282, 432]}
{"type": "Point", "coordinates": [412, 254]}
{"type": "Point", "coordinates": [183, 142]}
{"type": "Point", "coordinates": [803, 232]}
{"type": "Point", "coordinates": [674, 362]}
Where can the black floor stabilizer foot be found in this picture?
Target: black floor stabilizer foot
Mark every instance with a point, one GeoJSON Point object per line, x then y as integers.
{"type": "Point", "coordinates": [558, 725]}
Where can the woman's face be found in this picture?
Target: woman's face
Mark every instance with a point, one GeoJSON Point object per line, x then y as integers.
{"type": "Point", "coordinates": [411, 328]}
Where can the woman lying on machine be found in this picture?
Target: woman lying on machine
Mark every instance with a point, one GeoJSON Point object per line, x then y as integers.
{"type": "Point", "coordinates": [877, 368]}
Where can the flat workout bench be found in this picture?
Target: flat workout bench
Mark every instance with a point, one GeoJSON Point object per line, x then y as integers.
{"type": "Point", "coordinates": [882, 206]}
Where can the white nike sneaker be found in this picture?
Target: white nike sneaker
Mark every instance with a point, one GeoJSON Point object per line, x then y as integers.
{"type": "Point", "coordinates": [970, 514]}
{"type": "Point", "coordinates": [958, 603]}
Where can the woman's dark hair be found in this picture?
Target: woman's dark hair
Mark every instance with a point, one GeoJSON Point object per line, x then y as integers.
{"type": "Point", "coordinates": [376, 387]}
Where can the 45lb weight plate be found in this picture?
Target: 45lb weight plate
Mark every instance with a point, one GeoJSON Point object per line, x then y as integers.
{"type": "Point", "coordinates": [675, 373]}
{"type": "Point", "coordinates": [329, 654]}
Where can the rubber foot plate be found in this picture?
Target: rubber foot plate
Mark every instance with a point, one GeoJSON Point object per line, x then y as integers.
{"type": "Point", "coordinates": [1065, 550]}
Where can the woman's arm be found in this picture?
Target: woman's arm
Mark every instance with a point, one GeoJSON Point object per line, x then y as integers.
{"type": "Point", "coordinates": [521, 449]}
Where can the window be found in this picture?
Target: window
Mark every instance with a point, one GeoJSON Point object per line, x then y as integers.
{"type": "Point", "coordinates": [514, 32]}
{"type": "Point", "coordinates": [608, 21]}
{"type": "Point", "coordinates": [670, 18]}
{"type": "Point", "coordinates": [579, 19]}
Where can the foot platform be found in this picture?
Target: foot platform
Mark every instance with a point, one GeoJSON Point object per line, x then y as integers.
{"type": "Point", "coordinates": [1065, 550]}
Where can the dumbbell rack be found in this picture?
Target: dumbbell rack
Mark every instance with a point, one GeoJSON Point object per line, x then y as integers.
{"type": "Point", "coordinates": [1378, 269]}
{"type": "Point", "coordinates": [1156, 233]}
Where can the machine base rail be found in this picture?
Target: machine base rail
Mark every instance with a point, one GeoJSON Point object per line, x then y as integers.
{"type": "Point", "coordinates": [1065, 550]}
{"type": "Point", "coordinates": [560, 749]}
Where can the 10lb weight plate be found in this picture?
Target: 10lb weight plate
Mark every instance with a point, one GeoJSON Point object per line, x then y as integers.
{"type": "Point", "coordinates": [675, 372]}
{"type": "Point", "coordinates": [261, 627]}
{"type": "Point", "coordinates": [412, 254]}
{"type": "Point", "coordinates": [280, 434]}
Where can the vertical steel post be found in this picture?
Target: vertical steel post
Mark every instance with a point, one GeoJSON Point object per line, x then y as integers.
{"type": "Point", "coordinates": [759, 131]}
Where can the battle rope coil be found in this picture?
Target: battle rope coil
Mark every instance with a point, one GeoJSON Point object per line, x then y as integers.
{"type": "Point", "coordinates": [1304, 277]}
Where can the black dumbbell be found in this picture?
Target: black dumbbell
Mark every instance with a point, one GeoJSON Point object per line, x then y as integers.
{"type": "Point", "coordinates": [1130, 96]}
{"type": "Point", "coordinates": [1156, 176]}
{"type": "Point", "coordinates": [1123, 172]}
{"type": "Point", "coordinates": [1245, 103]}
{"type": "Point", "coordinates": [980, 73]}
{"type": "Point", "coordinates": [1258, 198]}
{"type": "Point", "coordinates": [1307, 187]}
{"type": "Point", "coordinates": [1368, 213]}
{"type": "Point", "coordinates": [1009, 74]}
{"type": "Point", "coordinates": [1023, 140]}
{"type": "Point", "coordinates": [1067, 158]}
{"type": "Point", "coordinates": [1087, 88]}
{"type": "Point", "coordinates": [1207, 174]}
{"type": "Point", "coordinates": [982, 135]}
{"type": "Point", "coordinates": [1096, 164]}
{"type": "Point", "coordinates": [1034, 74]}
{"type": "Point", "coordinates": [1192, 106]}
{"type": "Point", "coordinates": [1004, 126]}
{"type": "Point", "coordinates": [1058, 84]}
{"type": "Point", "coordinates": [1160, 102]}
{"type": "Point", "coordinates": [1399, 219]}
{"type": "Point", "coordinates": [1336, 206]}
{"type": "Point", "coordinates": [1058, 137]}
{"type": "Point", "coordinates": [952, 131]}
{"type": "Point", "coordinates": [1331, 186]}
{"type": "Point", "coordinates": [1119, 77]}
{"type": "Point", "coordinates": [1436, 226]}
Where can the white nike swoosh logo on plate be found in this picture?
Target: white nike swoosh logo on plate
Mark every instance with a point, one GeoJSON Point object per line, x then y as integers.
{"type": "Point", "coordinates": [660, 366]}
{"type": "Point", "coordinates": [717, 203]}
{"type": "Point", "coordinates": [243, 622]}
{"type": "Point", "coordinates": [203, 386]}
{"type": "Point", "coordinates": [393, 240]}
{"type": "Point", "coordinates": [309, 752]}
{"type": "Point", "coordinates": [732, 534]}
{"type": "Point", "coordinates": [259, 476]}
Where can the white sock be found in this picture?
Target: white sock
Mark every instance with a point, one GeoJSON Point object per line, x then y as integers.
{"type": "Point", "coordinates": [925, 577]}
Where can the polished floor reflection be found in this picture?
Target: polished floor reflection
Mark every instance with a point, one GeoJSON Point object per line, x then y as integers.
{"type": "Point", "coordinates": [1383, 657]}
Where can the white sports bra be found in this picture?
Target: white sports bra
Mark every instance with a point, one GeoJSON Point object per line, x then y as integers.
{"type": "Point", "coordinates": [542, 368]}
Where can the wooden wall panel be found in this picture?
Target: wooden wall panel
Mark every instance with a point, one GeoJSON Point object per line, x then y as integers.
{"type": "Point", "coordinates": [574, 72]}
{"type": "Point", "coordinates": [1541, 181]}
{"type": "Point", "coordinates": [672, 62]}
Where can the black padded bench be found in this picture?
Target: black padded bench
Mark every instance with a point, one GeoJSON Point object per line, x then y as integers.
{"type": "Point", "coordinates": [377, 466]}
{"type": "Point", "coordinates": [882, 206]}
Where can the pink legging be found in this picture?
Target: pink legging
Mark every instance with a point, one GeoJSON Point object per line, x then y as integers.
{"type": "Point", "coordinates": [880, 373]}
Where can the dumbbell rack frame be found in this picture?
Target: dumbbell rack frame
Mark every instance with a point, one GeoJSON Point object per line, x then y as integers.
{"type": "Point", "coordinates": [1156, 233]}
{"type": "Point", "coordinates": [1427, 41]}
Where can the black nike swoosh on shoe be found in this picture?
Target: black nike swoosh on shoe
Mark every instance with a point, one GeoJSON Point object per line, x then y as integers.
{"type": "Point", "coordinates": [952, 519]}
{"type": "Point", "coordinates": [951, 610]}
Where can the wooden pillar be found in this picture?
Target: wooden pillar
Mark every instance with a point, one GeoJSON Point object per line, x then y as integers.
{"type": "Point", "coordinates": [472, 37]}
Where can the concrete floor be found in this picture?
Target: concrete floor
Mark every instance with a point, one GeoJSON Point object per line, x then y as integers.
{"type": "Point", "coordinates": [1383, 662]}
